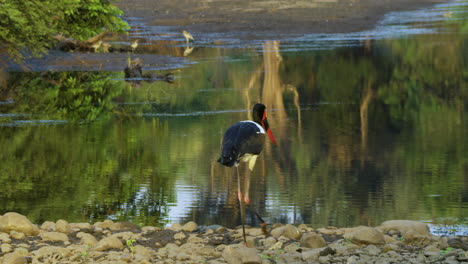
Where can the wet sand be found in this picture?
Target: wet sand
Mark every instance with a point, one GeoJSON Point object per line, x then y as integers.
{"type": "Point", "coordinates": [248, 17]}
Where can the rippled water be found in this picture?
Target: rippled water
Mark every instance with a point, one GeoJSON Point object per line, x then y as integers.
{"type": "Point", "coordinates": [371, 126]}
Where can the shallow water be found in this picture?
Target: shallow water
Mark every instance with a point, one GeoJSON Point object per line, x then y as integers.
{"type": "Point", "coordinates": [371, 126]}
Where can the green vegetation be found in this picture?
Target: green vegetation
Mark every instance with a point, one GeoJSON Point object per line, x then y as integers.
{"type": "Point", "coordinates": [30, 26]}
{"type": "Point", "coordinates": [131, 245]}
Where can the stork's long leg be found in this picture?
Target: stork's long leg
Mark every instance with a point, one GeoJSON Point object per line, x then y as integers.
{"type": "Point", "coordinates": [241, 205]}
{"type": "Point", "coordinates": [247, 187]}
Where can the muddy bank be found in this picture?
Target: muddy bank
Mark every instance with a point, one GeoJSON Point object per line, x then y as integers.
{"type": "Point", "coordinates": [271, 17]}
{"type": "Point", "coordinates": [394, 241]}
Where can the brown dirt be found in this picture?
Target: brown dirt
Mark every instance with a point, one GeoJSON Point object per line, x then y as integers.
{"type": "Point", "coordinates": [273, 17]}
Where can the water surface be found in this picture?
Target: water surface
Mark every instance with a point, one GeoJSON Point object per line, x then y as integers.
{"type": "Point", "coordinates": [371, 126]}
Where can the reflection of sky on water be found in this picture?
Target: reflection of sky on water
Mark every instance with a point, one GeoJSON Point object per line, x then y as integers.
{"type": "Point", "coordinates": [449, 230]}
{"type": "Point", "coordinates": [393, 25]}
{"type": "Point", "coordinates": [186, 196]}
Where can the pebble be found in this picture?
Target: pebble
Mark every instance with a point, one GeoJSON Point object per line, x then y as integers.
{"type": "Point", "coordinates": [62, 226]}
{"type": "Point", "coordinates": [17, 235]}
{"type": "Point", "coordinates": [190, 226]}
{"type": "Point", "coordinates": [54, 236]}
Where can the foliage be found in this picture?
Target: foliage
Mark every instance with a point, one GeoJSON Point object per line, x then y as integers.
{"type": "Point", "coordinates": [32, 25]}
{"type": "Point", "coordinates": [131, 245]}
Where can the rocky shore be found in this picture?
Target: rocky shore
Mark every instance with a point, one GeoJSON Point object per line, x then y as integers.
{"type": "Point", "coordinates": [395, 241]}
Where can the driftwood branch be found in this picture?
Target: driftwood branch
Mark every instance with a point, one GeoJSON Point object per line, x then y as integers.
{"type": "Point", "coordinates": [91, 44]}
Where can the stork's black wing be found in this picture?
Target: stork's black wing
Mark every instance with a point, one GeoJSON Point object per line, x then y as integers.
{"type": "Point", "coordinates": [240, 139]}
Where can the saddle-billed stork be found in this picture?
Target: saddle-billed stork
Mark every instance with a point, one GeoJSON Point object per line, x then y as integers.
{"type": "Point", "coordinates": [243, 141]}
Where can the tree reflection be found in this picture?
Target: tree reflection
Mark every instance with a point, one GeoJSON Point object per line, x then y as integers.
{"type": "Point", "coordinates": [370, 105]}
{"type": "Point", "coordinates": [62, 95]}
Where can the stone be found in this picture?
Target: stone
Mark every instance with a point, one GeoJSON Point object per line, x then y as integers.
{"type": "Point", "coordinates": [17, 235]}
{"type": "Point", "coordinates": [394, 255]}
{"type": "Point", "coordinates": [5, 238]}
{"type": "Point", "coordinates": [208, 252]}
{"type": "Point", "coordinates": [291, 257]}
{"type": "Point", "coordinates": [106, 224]}
{"type": "Point", "coordinates": [54, 236]}
{"type": "Point", "coordinates": [291, 232]}
{"type": "Point", "coordinates": [62, 226]}
{"type": "Point", "coordinates": [126, 257]}
{"type": "Point", "coordinates": [143, 251]}
{"type": "Point", "coordinates": [352, 260]}
{"type": "Point", "coordinates": [14, 258]}
{"type": "Point", "coordinates": [288, 231]}
{"type": "Point", "coordinates": [19, 223]}
{"type": "Point", "coordinates": [326, 231]}
{"type": "Point", "coordinates": [48, 226]}
{"type": "Point", "coordinates": [108, 243]}
{"type": "Point", "coordinates": [239, 255]}
{"type": "Point", "coordinates": [254, 232]}
{"type": "Point", "coordinates": [457, 243]}
{"type": "Point", "coordinates": [221, 230]}
{"type": "Point", "coordinates": [314, 254]}
{"type": "Point", "coordinates": [127, 235]}
{"type": "Point", "coordinates": [190, 226]}
{"type": "Point", "coordinates": [325, 259]}
{"type": "Point", "coordinates": [193, 238]}
{"type": "Point", "coordinates": [276, 225]}
{"type": "Point", "coordinates": [87, 239]}
{"type": "Point", "coordinates": [412, 231]}
{"type": "Point", "coordinates": [277, 232]}
{"type": "Point", "coordinates": [365, 235]}
{"type": "Point", "coordinates": [80, 226]}
{"type": "Point", "coordinates": [372, 250]}
{"type": "Point", "coordinates": [175, 227]}
{"type": "Point", "coordinates": [283, 239]}
{"type": "Point", "coordinates": [312, 240]}
{"type": "Point", "coordinates": [340, 249]}
{"type": "Point", "coordinates": [121, 226]}
{"type": "Point", "coordinates": [311, 255]}
{"type": "Point", "coordinates": [250, 241]}
{"type": "Point", "coordinates": [431, 251]}
{"type": "Point", "coordinates": [49, 254]}
{"type": "Point", "coordinates": [276, 246]}
{"type": "Point", "coordinates": [179, 236]}
{"type": "Point", "coordinates": [5, 248]}
{"type": "Point", "coordinates": [181, 256]}
{"type": "Point", "coordinates": [149, 229]}
{"type": "Point", "coordinates": [269, 241]}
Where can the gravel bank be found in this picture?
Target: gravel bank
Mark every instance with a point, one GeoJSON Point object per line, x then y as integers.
{"type": "Point", "coordinates": [396, 241]}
